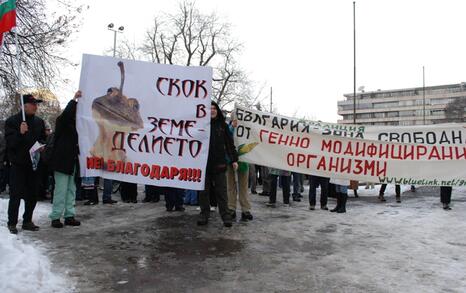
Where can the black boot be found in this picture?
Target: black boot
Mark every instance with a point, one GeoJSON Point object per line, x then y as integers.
{"type": "Point", "coordinates": [337, 208]}
{"type": "Point", "coordinates": [343, 199]}
{"type": "Point", "coordinates": [71, 221]}
{"type": "Point", "coordinates": [203, 219]}
{"type": "Point", "coordinates": [57, 224]}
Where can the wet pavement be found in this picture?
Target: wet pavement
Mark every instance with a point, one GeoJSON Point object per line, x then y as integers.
{"type": "Point", "coordinates": [414, 246]}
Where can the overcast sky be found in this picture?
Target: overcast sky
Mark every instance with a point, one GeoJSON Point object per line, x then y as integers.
{"type": "Point", "coordinates": [304, 49]}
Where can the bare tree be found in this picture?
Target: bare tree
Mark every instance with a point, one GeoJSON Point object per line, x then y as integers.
{"type": "Point", "coordinates": [44, 27]}
{"type": "Point", "coordinates": [456, 110]}
{"type": "Point", "coordinates": [192, 38]}
{"type": "Point", "coordinates": [48, 110]}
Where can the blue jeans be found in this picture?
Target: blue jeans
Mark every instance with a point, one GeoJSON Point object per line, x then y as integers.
{"type": "Point", "coordinates": [341, 189]}
{"type": "Point", "coordinates": [108, 188]}
{"type": "Point", "coordinates": [190, 197]}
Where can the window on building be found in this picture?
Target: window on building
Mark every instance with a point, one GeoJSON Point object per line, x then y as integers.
{"type": "Point", "coordinates": [393, 114]}
{"type": "Point", "coordinates": [407, 113]}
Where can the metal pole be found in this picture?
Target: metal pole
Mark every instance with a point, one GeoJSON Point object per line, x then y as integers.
{"type": "Point", "coordinates": [114, 42]}
{"type": "Point", "coordinates": [423, 96]}
{"type": "Point", "coordinates": [271, 101]}
{"type": "Point", "coordinates": [354, 62]}
{"type": "Point", "coordinates": [18, 63]}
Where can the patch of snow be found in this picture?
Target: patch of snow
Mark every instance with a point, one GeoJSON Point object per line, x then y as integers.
{"type": "Point", "coordinates": [24, 266]}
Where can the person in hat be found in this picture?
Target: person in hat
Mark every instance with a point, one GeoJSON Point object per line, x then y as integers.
{"type": "Point", "coordinates": [20, 136]}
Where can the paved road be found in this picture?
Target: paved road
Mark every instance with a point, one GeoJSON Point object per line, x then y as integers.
{"type": "Point", "coordinates": [414, 246]}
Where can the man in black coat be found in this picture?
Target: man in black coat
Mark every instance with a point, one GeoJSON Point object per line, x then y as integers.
{"type": "Point", "coordinates": [20, 137]}
{"type": "Point", "coordinates": [64, 162]}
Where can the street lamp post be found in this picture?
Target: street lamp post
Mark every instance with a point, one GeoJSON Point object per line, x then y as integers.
{"type": "Point", "coordinates": [111, 27]}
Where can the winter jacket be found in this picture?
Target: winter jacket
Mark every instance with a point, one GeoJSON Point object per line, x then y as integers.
{"type": "Point", "coordinates": [2, 150]}
{"type": "Point", "coordinates": [17, 144]}
{"type": "Point", "coordinates": [221, 147]}
{"type": "Point", "coordinates": [65, 145]}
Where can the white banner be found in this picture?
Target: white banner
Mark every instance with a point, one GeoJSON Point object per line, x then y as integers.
{"type": "Point", "coordinates": [144, 123]}
{"type": "Point", "coordinates": [420, 155]}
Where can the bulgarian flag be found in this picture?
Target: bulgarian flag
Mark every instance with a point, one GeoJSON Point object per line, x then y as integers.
{"type": "Point", "coordinates": [7, 17]}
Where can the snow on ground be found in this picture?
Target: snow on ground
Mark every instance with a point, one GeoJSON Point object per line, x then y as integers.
{"type": "Point", "coordinates": [24, 265]}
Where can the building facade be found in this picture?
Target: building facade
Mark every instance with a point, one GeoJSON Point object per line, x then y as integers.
{"type": "Point", "coordinates": [401, 106]}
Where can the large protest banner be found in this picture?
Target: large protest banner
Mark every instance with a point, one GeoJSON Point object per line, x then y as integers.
{"type": "Point", "coordinates": [432, 155]}
{"type": "Point", "coordinates": [143, 122]}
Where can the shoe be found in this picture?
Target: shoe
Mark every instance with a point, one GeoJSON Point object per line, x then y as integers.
{"type": "Point", "coordinates": [271, 204]}
{"type": "Point", "coordinates": [254, 192]}
{"type": "Point", "coordinates": [91, 203]}
{"type": "Point", "coordinates": [297, 199]}
{"type": "Point", "coordinates": [134, 201]}
{"type": "Point", "coordinates": [169, 209]}
{"type": "Point", "coordinates": [446, 207]}
{"type": "Point", "coordinates": [156, 199]}
{"type": "Point", "coordinates": [145, 200]}
{"type": "Point", "coordinates": [311, 208]}
{"type": "Point", "coordinates": [264, 194]}
{"type": "Point", "coordinates": [202, 220]}
{"type": "Point", "coordinates": [246, 216]}
{"type": "Point", "coordinates": [232, 214]}
{"type": "Point", "coordinates": [57, 224]}
{"type": "Point", "coordinates": [13, 229]}
{"type": "Point", "coordinates": [325, 208]}
{"type": "Point", "coordinates": [127, 201]}
{"type": "Point", "coordinates": [30, 227]}
{"type": "Point", "coordinates": [227, 224]}
{"type": "Point", "coordinates": [71, 221]}
{"type": "Point", "coordinates": [180, 209]}
{"type": "Point", "coordinates": [109, 201]}
{"type": "Point", "coordinates": [382, 198]}
{"type": "Point", "coordinates": [398, 199]}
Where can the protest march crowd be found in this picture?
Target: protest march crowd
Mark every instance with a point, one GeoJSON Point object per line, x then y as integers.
{"type": "Point", "coordinates": [227, 180]}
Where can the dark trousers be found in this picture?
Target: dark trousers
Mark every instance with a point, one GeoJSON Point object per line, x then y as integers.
{"type": "Point", "coordinates": [4, 177]}
{"type": "Point", "coordinates": [314, 182]}
{"type": "Point", "coordinates": [173, 198]}
{"type": "Point", "coordinates": [445, 194]}
{"type": "Point", "coordinates": [285, 188]}
{"type": "Point", "coordinates": [23, 185]}
{"type": "Point", "coordinates": [215, 187]}
{"type": "Point", "coordinates": [297, 178]}
{"type": "Point", "coordinates": [397, 190]}
{"type": "Point", "coordinates": [152, 193]}
{"type": "Point", "coordinates": [128, 191]}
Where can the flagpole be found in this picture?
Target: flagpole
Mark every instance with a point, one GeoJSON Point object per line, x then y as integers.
{"type": "Point", "coordinates": [18, 63]}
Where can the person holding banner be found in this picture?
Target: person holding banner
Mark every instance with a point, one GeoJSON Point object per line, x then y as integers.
{"type": "Point", "coordinates": [314, 182]}
{"type": "Point", "coordinates": [64, 161]}
{"type": "Point", "coordinates": [221, 147]}
{"type": "Point", "coordinates": [21, 133]}
{"type": "Point", "coordinates": [285, 177]}
{"type": "Point", "coordinates": [341, 190]}
{"type": "Point", "coordinates": [237, 184]}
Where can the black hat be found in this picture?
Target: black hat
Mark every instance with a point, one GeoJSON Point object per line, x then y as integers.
{"type": "Point", "coordinates": [30, 99]}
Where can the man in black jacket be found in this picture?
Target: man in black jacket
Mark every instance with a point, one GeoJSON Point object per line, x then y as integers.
{"type": "Point", "coordinates": [64, 162]}
{"type": "Point", "coordinates": [20, 137]}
